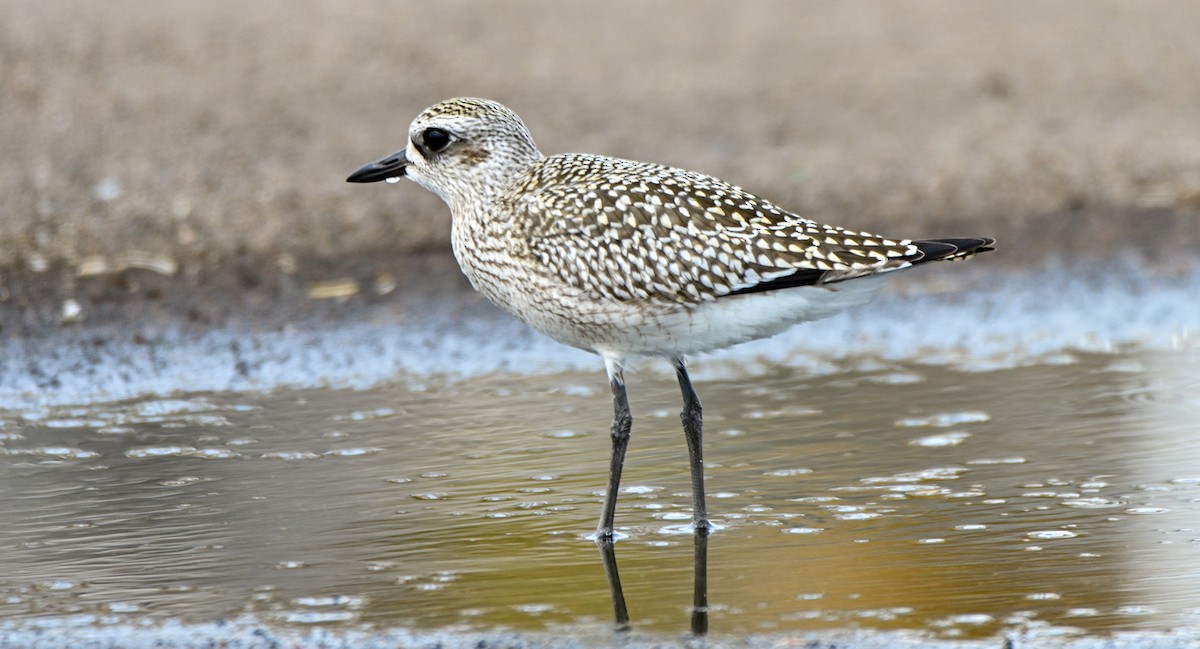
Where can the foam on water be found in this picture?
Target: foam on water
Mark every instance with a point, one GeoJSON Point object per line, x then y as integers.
{"type": "Point", "coordinates": [993, 319]}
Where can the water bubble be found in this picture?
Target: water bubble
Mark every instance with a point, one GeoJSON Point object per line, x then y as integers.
{"type": "Point", "coordinates": [1051, 534]}
{"type": "Point", "coordinates": [392, 180]}
{"type": "Point", "coordinates": [354, 452]}
{"type": "Point", "coordinates": [215, 453]}
{"type": "Point", "coordinates": [1147, 510]}
{"type": "Point", "coordinates": [65, 452]}
{"type": "Point", "coordinates": [184, 481]}
{"type": "Point", "coordinates": [858, 516]}
{"type": "Point", "coordinates": [172, 407]}
{"type": "Point", "coordinates": [333, 600]}
{"type": "Point", "coordinates": [73, 423]}
{"type": "Point", "coordinates": [1043, 596]}
{"type": "Point", "coordinates": [432, 495]}
{"type": "Point", "coordinates": [1092, 503]}
{"type": "Point", "coordinates": [973, 619]}
{"type": "Point", "coordinates": [945, 439]}
{"type": "Point", "coordinates": [565, 434]}
{"type": "Point", "coordinates": [945, 419]}
{"type": "Point", "coordinates": [159, 451]}
{"type": "Point", "coordinates": [804, 530]}
{"type": "Point", "coordinates": [534, 609]}
{"type": "Point", "coordinates": [319, 617]}
{"type": "Point", "coordinates": [641, 489]}
{"type": "Point", "coordinates": [787, 473]}
{"type": "Point", "coordinates": [289, 455]}
{"type": "Point", "coordinates": [970, 527]}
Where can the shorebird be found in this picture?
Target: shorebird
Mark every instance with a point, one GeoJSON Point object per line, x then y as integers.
{"type": "Point", "coordinates": [626, 259]}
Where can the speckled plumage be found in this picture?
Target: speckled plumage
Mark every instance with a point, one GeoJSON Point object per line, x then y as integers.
{"type": "Point", "coordinates": [630, 258]}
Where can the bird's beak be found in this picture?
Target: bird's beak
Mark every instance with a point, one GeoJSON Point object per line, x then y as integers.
{"type": "Point", "coordinates": [390, 167]}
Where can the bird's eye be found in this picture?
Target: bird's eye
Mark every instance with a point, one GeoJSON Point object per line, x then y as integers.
{"type": "Point", "coordinates": [435, 139]}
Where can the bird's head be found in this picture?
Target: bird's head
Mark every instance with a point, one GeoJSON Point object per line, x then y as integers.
{"type": "Point", "coordinates": [459, 148]}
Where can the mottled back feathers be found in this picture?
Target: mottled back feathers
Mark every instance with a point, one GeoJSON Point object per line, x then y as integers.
{"type": "Point", "coordinates": [638, 231]}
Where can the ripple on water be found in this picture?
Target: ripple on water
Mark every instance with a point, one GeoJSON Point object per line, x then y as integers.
{"type": "Point", "coordinates": [1042, 535]}
{"type": "Point", "coordinates": [1147, 510]}
{"type": "Point", "coordinates": [945, 419]}
{"type": "Point", "coordinates": [53, 452]}
{"type": "Point", "coordinates": [165, 407]}
{"type": "Point", "coordinates": [1094, 502]}
{"type": "Point", "coordinates": [353, 452]}
{"type": "Point", "coordinates": [945, 439]}
{"type": "Point", "coordinates": [289, 455]}
{"type": "Point", "coordinates": [159, 451]}
{"type": "Point", "coordinates": [787, 473]}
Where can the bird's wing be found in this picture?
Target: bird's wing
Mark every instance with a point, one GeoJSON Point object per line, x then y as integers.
{"type": "Point", "coordinates": [637, 231]}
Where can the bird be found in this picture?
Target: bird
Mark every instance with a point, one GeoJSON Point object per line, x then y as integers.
{"type": "Point", "coordinates": [630, 259]}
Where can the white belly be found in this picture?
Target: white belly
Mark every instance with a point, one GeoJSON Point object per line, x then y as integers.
{"type": "Point", "coordinates": [619, 329]}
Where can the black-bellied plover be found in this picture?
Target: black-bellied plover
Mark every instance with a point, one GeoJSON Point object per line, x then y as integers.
{"type": "Point", "coordinates": [625, 258]}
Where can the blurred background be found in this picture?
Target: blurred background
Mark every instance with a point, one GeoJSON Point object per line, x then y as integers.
{"type": "Point", "coordinates": [193, 154]}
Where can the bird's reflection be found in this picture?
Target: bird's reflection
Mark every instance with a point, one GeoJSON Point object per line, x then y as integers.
{"type": "Point", "coordinates": [700, 582]}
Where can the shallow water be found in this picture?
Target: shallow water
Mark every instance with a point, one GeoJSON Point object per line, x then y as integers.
{"type": "Point", "coordinates": [875, 494]}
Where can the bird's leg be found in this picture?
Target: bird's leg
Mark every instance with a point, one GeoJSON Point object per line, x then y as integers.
{"type": "Point", "coordinates": [693, 430]}
{"type": "Point", "coordinates": [621, 425]}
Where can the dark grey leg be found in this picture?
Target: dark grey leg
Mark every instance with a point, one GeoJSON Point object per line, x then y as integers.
{"type": "Point", "coordinates": [622, 423]}
{"type": "Point", "coordinates": [693, 430]}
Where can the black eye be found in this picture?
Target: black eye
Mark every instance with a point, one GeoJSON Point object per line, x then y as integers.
{"type": "Point", "coordinates": [435, 139]}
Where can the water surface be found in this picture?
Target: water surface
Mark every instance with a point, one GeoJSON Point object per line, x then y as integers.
{"type": "Point", "coordinates": [877, 495]}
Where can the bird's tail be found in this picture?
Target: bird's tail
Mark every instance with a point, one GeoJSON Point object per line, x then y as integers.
{"type": "Point", "coordinates": [953, 249]}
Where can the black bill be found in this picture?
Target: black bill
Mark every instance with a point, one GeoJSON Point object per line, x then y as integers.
{"type": "Point", "coordinates": [390, 167]}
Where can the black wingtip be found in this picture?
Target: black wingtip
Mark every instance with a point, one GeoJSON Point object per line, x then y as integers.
{"type": "Point", "coordinates": [950, 249]}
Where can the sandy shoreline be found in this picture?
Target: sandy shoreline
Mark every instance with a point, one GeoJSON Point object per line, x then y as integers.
{"type": "Point", "coordinates": [198, 151]}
